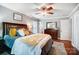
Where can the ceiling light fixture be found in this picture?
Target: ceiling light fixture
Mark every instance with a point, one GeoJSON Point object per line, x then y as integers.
{"type": "Point", "coordinates": [46, 9]}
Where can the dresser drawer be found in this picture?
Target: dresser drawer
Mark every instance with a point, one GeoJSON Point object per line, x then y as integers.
{"type": "Point", "coordinates": [52, 32]}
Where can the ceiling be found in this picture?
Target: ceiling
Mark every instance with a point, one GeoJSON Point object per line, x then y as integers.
{"type": "Point", "coordinates": [61, 10]}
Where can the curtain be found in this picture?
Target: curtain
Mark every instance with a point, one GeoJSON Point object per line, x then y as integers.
{"type": "Point", "coordinates": [35, 27]}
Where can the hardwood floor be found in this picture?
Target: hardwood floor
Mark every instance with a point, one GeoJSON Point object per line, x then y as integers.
{"type": "Point", "coordinates": [69, 48]}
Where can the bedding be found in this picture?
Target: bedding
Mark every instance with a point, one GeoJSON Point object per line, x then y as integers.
{"type": "Point", "coordinates": [34, 39]}
{"type": "Point", "coordinates": [20, 32]}
{"type": "Point", "coordinates": [27, 32]}
{"type": "Point", "coordinates": [9, 41]}
{"type": "Point", "coordinates": [21, 48]}
{"type": "Point", "coordinates": [23, 32]}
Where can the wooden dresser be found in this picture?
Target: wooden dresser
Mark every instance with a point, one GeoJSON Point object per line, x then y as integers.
{"type": "Point", "coordinates": [52, 32]}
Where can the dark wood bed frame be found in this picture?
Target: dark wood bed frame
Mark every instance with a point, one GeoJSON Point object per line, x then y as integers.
{"type": "Point", "coordinates": [8, 25]}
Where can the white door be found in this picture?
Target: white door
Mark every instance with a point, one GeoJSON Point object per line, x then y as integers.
{"type": "Point", "coordinates": [65, 29]}
{"type": "Point", "coordinates": [75, 31]}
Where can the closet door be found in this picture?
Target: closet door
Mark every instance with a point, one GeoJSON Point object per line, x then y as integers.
{"type": "Point", "coordinates": [75, 31]}
{"type": "Point", "coordinates": [65, 29]}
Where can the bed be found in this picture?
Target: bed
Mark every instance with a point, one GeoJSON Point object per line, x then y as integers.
{"type": "Point", "coordinates": [6, 27]}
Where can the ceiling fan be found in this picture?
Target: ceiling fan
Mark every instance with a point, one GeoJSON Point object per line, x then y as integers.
{"type": "Point", "coordinates": [46, 9]}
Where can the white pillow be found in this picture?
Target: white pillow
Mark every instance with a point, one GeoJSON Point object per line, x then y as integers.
{"type": "Point", "coordinates": [21, 32]}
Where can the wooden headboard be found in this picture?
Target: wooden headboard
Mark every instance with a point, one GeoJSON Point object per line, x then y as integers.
{"type": "Point", "coordinates": [8, 25]}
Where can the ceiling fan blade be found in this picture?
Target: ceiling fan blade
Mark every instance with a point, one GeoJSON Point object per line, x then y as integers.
{"type": "Point", "coordinates": [50, 13]}
{"type": "Point", "coordinates": [58, 10]}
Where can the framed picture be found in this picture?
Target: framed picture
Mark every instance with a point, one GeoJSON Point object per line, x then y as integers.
{"type": "Point", "coordinates": [51, 25]}
{"type": "Point", "coordinates": [17, 16]}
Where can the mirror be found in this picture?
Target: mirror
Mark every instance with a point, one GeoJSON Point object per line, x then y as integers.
{"type": "Point", "coordinates": [51, 25]}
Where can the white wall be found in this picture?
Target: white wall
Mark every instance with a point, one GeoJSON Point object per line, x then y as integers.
{"type": "Point", "coordinates": [75, 30]}
{"type": "Point", "coordinates": [65, 29]}
{"type": "Point", "coordinates": [7, 15]}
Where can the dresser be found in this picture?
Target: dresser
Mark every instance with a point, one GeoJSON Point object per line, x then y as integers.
{"type": "Point", "coordinates": [52, 32]}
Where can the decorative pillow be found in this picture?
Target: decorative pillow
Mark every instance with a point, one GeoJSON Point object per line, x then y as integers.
{"type": "Point", "coordinates": [20, 32]}
{"type": "Point", "coordinates": [27, 32]}
{"type": "Point", "coordinates": [12, 32]}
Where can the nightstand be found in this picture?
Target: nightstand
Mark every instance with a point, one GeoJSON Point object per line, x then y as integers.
{"type": "Point", "coordinates": [1, 45]}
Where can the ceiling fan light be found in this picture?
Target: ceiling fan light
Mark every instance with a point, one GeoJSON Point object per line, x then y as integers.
{"type": "Point", "coordinates": [49, 8]}
{"type": "Point", "coordinates": [46, 9]}
{"type": "Point", "coordinates": [43, 8]}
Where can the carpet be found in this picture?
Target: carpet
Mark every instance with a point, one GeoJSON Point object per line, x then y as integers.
{"type": "Point", "coordinates": [58, 49]}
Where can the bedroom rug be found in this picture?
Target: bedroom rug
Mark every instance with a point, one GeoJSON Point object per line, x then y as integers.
{"type": "Point", "coordinates": [58, 49]}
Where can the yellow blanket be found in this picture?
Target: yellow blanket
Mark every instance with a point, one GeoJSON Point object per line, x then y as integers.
{"type": "Point", "coordinates": [35, 39]}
